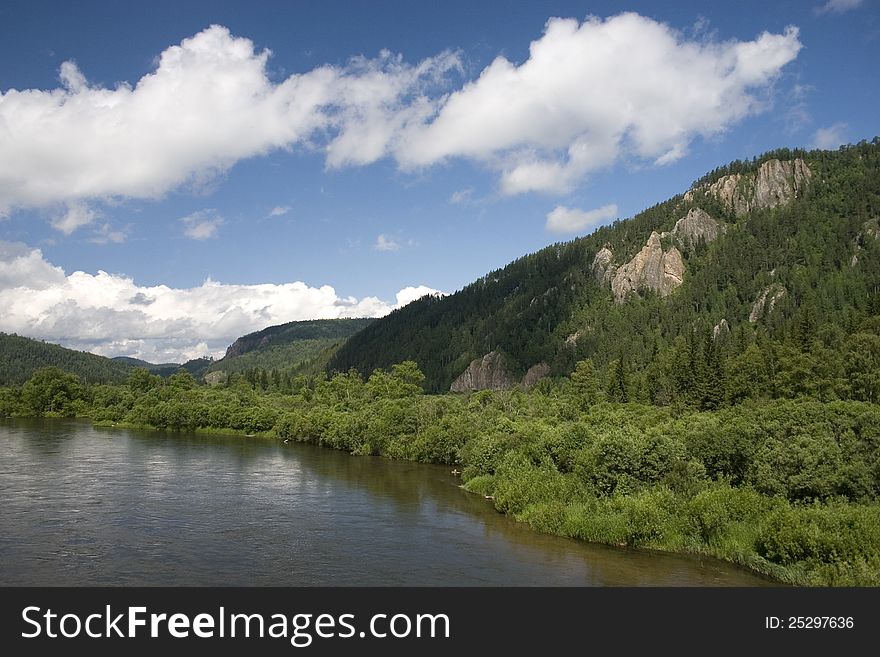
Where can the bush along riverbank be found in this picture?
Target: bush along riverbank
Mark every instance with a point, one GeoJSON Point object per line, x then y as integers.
{"type": "Point", "coordinates": [786, 487]}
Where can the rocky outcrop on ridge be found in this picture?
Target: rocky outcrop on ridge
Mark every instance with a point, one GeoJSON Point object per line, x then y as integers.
{"type": "Point", "coordinates": [601, 268]}
{"type": "Point", "coordinates": [652, 268]}
{"type": "Point", "coordinates": [777, 182]}
{"type": "Point", "coordinates": [697, 227]}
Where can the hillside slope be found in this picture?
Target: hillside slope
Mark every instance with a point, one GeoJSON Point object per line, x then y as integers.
{"type": "Point", "coordinates": [20, 357]}
{"type": "Point", "coordinates": [784, 247]}
{"type": "Point", "coordinates": [287, 345]}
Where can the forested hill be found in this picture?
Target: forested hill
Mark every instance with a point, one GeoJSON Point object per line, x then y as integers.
{"type": "Point", "coordinates": [196, 367]}
{"type": "Point", "coordinates": [20, 357]}
{"type": "Point", "coordinates": [771, 262]}
{"type": "Point", "coordinates": [287, 345]}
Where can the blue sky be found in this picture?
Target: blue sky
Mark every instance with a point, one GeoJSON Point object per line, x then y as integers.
{"type": "Point", "coordinates": [167, 185]}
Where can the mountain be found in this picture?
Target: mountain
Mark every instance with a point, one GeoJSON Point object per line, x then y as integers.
{"type": "Point", "coordinates": [779, 253]}
{"type": "Point", "coordinates": [197, 367]}
{"type": "Point", "coordinates": [288, 345]}
{"type": "Point", "coordinates": [20, 357]}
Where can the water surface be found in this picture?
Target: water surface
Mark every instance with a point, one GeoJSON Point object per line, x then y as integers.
{"type": "Point", "coordinates": [94, 506]}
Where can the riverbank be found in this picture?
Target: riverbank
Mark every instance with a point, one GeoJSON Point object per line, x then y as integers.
{"type": "Point", "coordinates": [786, 488]}
{"type": "Point", "coordinates": [86, 506]}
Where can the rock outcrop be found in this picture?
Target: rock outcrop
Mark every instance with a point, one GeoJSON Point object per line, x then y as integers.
{"type": "Point", "coordinates": [535, 374]}
{"type": "Point", "coordinates": [650, 269]}
{"type": "Point", "coordinates": [697, 227]}
{"type": "Point", "coordinates": [572, 340]}
{"type": "Point", "coordinates": [601, 268]}
{"type": "Point", "coordinates": [870, 229]}
{"type": "Point", "coordinates": [777, 182]}
{"type": "Point", "coordinates": [721, 328]}
{"type": "Point", "coordinates": [486, 373]}
{"type": "Point", "coordinates": [215, 378]}
{"type": "Point", "coordinates": [766, 301]}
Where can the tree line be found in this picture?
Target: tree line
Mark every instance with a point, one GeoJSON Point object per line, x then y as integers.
{"type": "Point", "coordinates": [787, 487]}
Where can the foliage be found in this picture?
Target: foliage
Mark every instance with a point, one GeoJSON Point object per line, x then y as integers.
{"type": "Point", "coordinates": [821, 340]}
{"type": "Point", "coordinates": [21, 357]}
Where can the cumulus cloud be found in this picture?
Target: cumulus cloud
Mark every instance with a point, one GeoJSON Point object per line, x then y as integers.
{"type": "Point", "coordinates": [830, 137]}
{"type": "Point", "coordinates": [208, 104]}
{"type": "Point", "coordinates": [571, 220]}
{"type": "Point", "coordinates": [385, 243]}
{"type": "Point", "coordinates": [111, 315]}
{"type": "Point", "coordinates": [279, 211]}
{"type": "Point", "coordinates": [838, 6]}
{"type": "Point", "coordinates": [590, 92]}
{"type": "Point", "coordinates": [587, 94]}
{"type": "Point", "coordinates": [202, 224]}
{"type": "Point", "coordinates": [76, 215]}
{"type": "Point", "coordinates": [409, 294]}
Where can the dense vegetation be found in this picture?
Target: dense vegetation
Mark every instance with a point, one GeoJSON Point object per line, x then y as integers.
{"type": "Point", "coordinates": [20, 357]}
{"type": "Point", "coordinates": [197, 366]}
{"type": "Point", "coordinates": [759, 444]}
{"type": "Point", "coordinates": [291, 348]}
{"type": "Point", "coordinates": [547, 306]}
{"type": "Point", "coordinates": [786, 487]}
{"type": "Point", "coordinates": [286, 347]}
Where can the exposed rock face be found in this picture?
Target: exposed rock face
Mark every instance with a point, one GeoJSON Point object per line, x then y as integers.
{"type": "Point", "coordinates": [775, 183]}
{"type": "Point", "coordinates": [486, 373]}
{"type": "Point", "coordinates": [721, 328]}
{"type": "Point", "coordinates": [572, 340]}
{"type": "Point", "coordinates": [698, 226]}
{"type": "Point", "coordinates": [766, 300]}
{"type": "Point", "coordinates": [651, 269]}
{"type": "Point", "coordinates": [535, 374]}
{"type": "Point", "coordinates": [215, 378]}
{"type": "Point", "coordinates": [601, 269]}
{"type": "Point", "coordinates": [870, 229]}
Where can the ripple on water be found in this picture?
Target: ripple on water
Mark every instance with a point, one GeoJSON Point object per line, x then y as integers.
{"type": "Point", "coordinates": [120, 507]}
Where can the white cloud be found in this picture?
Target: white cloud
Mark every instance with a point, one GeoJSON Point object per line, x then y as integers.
{"type": "Point", "coordinates": [591, 92]}
{"type": "Point", "coordinates": [384, 243]}
{"type": "Point", "coordinates": [461, 196]}
{"type": "Point", "coordinates": [410, 294]}
{"type": "Point", "coordinates": [76, 215]}
{"type": "Point", "coordinates": [837, 6]}
{"type": "Point", "coordinates": [831, 137]}
{"type": "Point", "coordinates": [571, 220]}
{"type": "Point", "coordinates": [202, 224]}
{"type": "Point", "coordinates": [588, 94]}
{"type": "Point", "coordinates": [105, 234]}
{"type": "Point", "coordinates": [208, 104]}
{"type": "Point", "coordinates": [279, 211]}
{"type": "Point", "coordinates": [111, 315]}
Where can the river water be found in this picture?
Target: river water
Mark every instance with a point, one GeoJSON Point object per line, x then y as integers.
{"type": "Point", "coordinates": [92, 506]}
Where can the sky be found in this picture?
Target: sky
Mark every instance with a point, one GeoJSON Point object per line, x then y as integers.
{"type": "Point", "coordinates": [174, 175]}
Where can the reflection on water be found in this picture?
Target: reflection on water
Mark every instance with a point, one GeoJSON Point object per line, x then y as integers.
{"type": "Point", "coordinates": [118, 507]}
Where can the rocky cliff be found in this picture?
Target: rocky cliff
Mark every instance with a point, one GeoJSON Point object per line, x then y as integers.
{"type": "Point", "coordinates": [697, 227]}
{"type": "Point", "coordinates": [652, 268]}
{"type": "Point", "coordinates": [776, 183]}
{"type": "Point", "coordinates": [486, 373]}
{"type": "Point", "coordinates": [601, 267]}
{"type": "Point", "coordinates": [490, 373]}
{"type": "Point", "coordinates": [535, 374]}
{"type": "Point", "coordinates": [766, 301]}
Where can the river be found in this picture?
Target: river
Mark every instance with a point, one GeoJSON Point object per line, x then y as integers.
{"type": "Point", "coordinates": [81, 505]}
